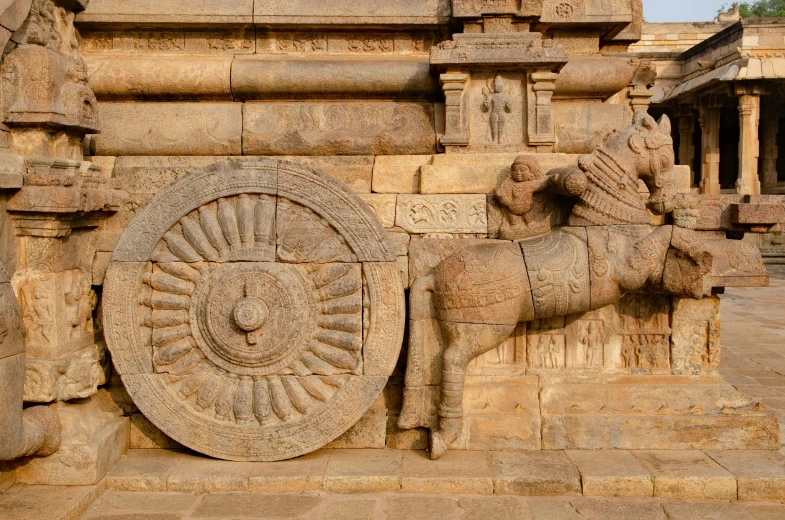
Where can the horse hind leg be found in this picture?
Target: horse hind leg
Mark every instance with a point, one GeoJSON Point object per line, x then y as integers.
{"type": "Point", "coordinates": [465, 341]}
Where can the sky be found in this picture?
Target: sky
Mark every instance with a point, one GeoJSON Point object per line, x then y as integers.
{"type": "Point", "coordinates": [681, 10]}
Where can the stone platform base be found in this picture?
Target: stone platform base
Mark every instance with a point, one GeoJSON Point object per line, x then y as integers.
{"type": "Point", "coordinates": [57, 503]}
{"type": "Point", "coordinates": [95, 436]}
{"type": "Point", "coordinates": [683, 474]}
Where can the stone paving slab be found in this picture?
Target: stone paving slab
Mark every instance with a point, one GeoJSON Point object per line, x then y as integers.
{"type": "Point", "coordinates": [47, 502]}
{"type": "Point", "coordinates": [753, 341]}
{"type": "Point", "coordinates": [612, 474]}
{"type": "Point", "coordinates": [116, 505]}
{"type": "Point", "coordinates": [685, 474]}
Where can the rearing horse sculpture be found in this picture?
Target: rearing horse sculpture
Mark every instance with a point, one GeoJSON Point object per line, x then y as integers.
{"type": "Point", "coordinates": [609, 248]}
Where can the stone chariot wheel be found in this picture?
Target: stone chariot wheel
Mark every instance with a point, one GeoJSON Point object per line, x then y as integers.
{"type": "Point", "coordinates": [254, 310]}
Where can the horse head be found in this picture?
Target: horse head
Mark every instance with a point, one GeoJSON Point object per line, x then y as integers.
{"type": "Point", "coordinates": [644, 150]}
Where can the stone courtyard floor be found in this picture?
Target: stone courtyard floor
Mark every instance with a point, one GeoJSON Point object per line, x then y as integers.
{"type": "Point", "coordinates": [387, 484]}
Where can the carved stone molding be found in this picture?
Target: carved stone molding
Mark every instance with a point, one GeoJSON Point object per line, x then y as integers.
{"type": "Point", "coordinates": [235, 313]}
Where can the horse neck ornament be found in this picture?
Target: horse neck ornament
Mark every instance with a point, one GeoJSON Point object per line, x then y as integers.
{"type": "Point", "coordinates": [643, 150]}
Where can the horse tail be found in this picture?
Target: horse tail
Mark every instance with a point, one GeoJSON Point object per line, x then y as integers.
{"type": "Point", "coordinates": [417, 409]}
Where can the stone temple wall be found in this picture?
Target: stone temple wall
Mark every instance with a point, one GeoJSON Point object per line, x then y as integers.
{"type": "Point", "coordinates": [419, 108]}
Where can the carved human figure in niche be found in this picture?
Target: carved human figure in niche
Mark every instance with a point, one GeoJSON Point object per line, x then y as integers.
{"type": "Point", "coordinates": [80, 299]}
{"type": "Point", "coordinates": [496, 100]}
{"type": "Point", "coordinates": [626, 352]}
{"type": "Point", "coordinates": [553, 353]}
{"type": "Point", "coordinates": [593, 345]}
{"type": "Point", "coordinates": [640, 350]}
{"type": "Point", "coordinates": [38, 312]}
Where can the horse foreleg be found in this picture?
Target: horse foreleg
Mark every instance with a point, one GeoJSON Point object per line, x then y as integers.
{"type": "Point", "coordinates": [465, 341]}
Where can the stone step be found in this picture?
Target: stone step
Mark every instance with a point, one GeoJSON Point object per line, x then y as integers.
{"type": "Point", "coordinates": [23, 502]}
{"type": "Point", "coordinates": [115, 505]}
{"type": "Point", "coordinates": [689, 474]}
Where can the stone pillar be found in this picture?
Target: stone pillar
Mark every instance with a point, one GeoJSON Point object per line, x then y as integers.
{"type": "Point", "coordinates": [640, 98]}
{"type": "Point", "coordinates": [55, 200]}
{"type": "Point", "coordinates": [748, 182]}
{"type": "Point", "coordinates": [686, 146]}
{"type": "Point", "coordinates": [770, 127]}
{"type": "Point", "coordinates": [710, 149]}
{"type": "Point", "coordinates": [540, 126]}
{"type": "Point", "coordinates": [456, 131]}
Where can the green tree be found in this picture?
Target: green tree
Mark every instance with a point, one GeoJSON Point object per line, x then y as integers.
{"type": "Point", "coordinates": [760, 9]}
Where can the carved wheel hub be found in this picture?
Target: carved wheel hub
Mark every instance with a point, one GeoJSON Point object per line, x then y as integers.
{"type": "Point", "coordinates": [253, 318]}
{"type": "Point", "coordinates": [254, 310]}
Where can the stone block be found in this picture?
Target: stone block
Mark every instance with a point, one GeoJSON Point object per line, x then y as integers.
{"type": "Point", "coordinates": [611, 473]}
{"type": "Point", "coordinates": [551, 509]}
{"type": "Point", "coordinates": [580, 127]}
{"type": "Point", "coordinates": [262, 505]}
{"type": "Point", "coordinates": [398, 439]}
{"type": "Point", "coordinates": [442, 213]}
{"type": "Point", "coordinates": [176, 128]}
{"type": "Point", "coordinates": [338, 128]}
{"type": "Point", "coordinates": [394, 12]}
{"type": "Point", "coordinates": [50, 502]}
{"type": "Point", "coordinates": [352, 171]}
{"type": "Point", "coordinates": [265, 77]}
{"type": "Point", "coordinates": [146, 436]}
{"type": "Point", "coordinates": [404, 508]}
{"type": "Point", "coordinates": [752, 214]}
{"type": "Point", "coordinates": [113, 504]}
{"type": "Point", "coordinates": [304, 473]}
{"type": "Point", "coordinates": [198, 474]}
{"type": "Point", "coordinates": [695, 336]}
{"type": "Point", "coordinates": [159, 78]}
{"type": "Point", "coordinates": [760, 475]}
{"type": "Point", "coordinates": [478, 173]}
{"type": "Point", "coordinates": [175, 11]}
{"type": "Point", "coordinates": [502, 412]}
{"type": "Point", "coordinates": [143, 470]}
{"type": "Point", "coordinates": [383, 207]}
{"type": "Point", "coordinates": [363, 471]}
{"type": "Point", "coordinates": [760, 511]}
{"type": "Point", "coordinates": [667, 413]}
{"type": "Point", "coordinates": [398, 173]}
{"type": "Point", "coordinates": [339, 510]}
{"type": "Point", "coordinates": [461, 472]}
{"type": "Point", "coordinates": [369, 432]}
{"type": "Point", "coordinates": [687, 474]}
{"type": "Point", "coordinates": [534, 473]}
{"type": "Point", "coordinates": [687, 510]}
{"type": "Point", "coordinates": [496, 508]}
{"type": "Point", "coordinates": [598, 509]}
{"type": "Point", "coordinates": [94, 437]}
{"type": "Point", "coordinates": [11, 181]}
{"type": "Point", "coordinates": [150, 174]}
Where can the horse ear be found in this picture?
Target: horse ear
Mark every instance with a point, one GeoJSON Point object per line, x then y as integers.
{"type": "Point", "coordinates": [665, 125]}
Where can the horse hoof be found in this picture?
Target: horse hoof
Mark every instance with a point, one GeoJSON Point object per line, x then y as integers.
{"type": "Point", "coordinates": [438, 445]}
